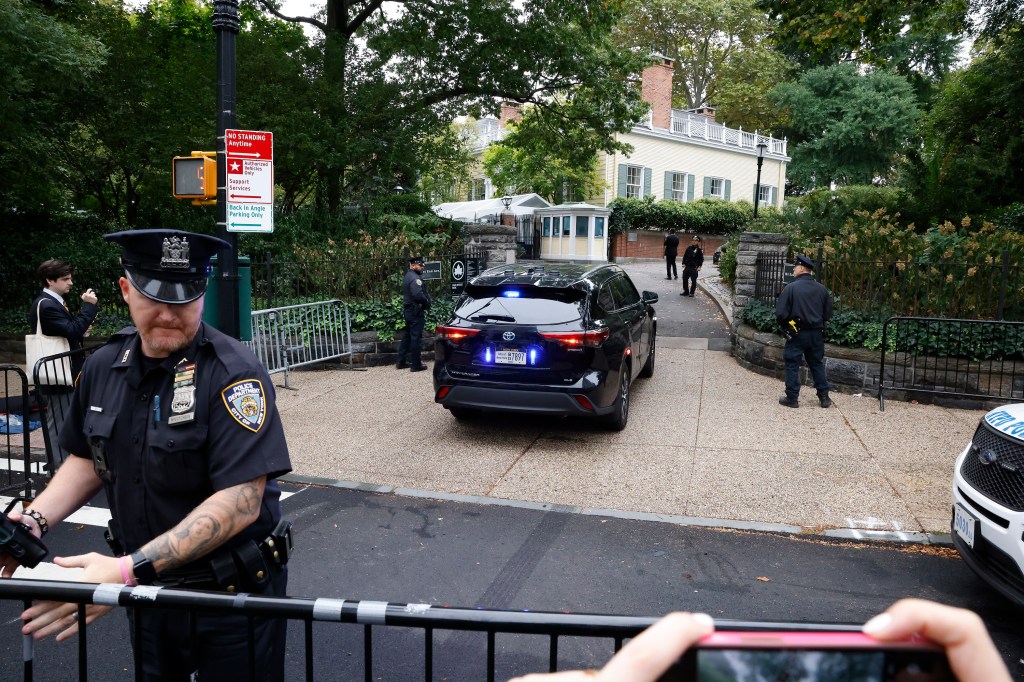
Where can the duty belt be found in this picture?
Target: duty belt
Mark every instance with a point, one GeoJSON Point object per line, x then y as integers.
{"type": "Point", "coordinates": [246, 567]}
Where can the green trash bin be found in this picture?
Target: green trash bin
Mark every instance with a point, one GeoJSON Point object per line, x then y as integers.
{"type": "Point", "coordinates": [211, 311]}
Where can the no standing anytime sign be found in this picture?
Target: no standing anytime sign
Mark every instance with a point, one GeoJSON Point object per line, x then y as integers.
{"type": "Point", "coordinates": [250, 190]}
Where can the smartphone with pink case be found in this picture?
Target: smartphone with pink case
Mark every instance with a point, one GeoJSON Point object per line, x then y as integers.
{"type": "Point", "coordinates": [809, 656]}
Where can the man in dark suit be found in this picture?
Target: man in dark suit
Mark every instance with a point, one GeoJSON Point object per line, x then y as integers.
{"type": "Point", "coordinates": [671, 250]}
{"type": "Point", "coordinates": [56, 320]}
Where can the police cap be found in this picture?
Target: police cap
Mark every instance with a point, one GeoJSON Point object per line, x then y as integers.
{"type": "Point", "coordinates": [416, 260]}
{"type": "Point", "coordinates": [169, 266]}
{"type": "Point", "coordinates": [805, 261]}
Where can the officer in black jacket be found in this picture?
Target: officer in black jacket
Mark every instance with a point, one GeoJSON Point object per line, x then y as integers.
{"type": "Point", "coordinates": [693, 259]}
{"type": "Point", "coordinates": [802, 310]}
{"type": "Point", "coordinates": [54, 318]}
{"type": "Point", "coordinates": [416, 301]}
{"type": "Point", "coordinates": [177, 423]}
{"type": "Point", "coordinates": [671, 251]}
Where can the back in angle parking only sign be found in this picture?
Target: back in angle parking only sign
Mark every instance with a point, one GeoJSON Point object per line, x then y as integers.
{"type": "Point", "coordinates": [460, 273]}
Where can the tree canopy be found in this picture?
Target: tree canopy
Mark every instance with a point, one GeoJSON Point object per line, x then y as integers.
{"type": "Point", "coordinates": [847, 128]}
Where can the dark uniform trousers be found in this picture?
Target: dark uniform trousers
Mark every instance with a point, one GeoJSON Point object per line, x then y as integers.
{"type": "Point", "coordinates": [221, 647]}
{"type": "Point", "coordinates": [670, 266]}
{"type": "Point", "coordinates": [410, 345]}
{"type": "Point", "coordinates": [810, 345]}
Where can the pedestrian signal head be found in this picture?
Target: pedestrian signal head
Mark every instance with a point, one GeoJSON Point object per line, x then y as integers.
{"type": "Point", "coordinates": [194, 177]}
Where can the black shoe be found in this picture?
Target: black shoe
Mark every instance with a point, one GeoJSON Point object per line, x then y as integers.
{"type": "Point", "coordinates": [825, 402]}
{"type": "Point", "coordinates": [692, 295]}
{"type": "Point", "coordinates": [668, 278]}
{"type": "Point", "coordinates": [402, 365]}
{"type": "Point", "coordinates": [786, 401]}
{"type": "Point", "coordinates": [684, 294]}
{"type": "Point", "coordinates": [417, 368]}
{"type": "Point", "coordinates": [676, 278]}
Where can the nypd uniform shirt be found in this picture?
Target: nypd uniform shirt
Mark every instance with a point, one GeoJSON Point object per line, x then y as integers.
{"type": "Point", "coordinates": [175, 430]}
{"type": "Point", "coordinates": [413, 290]}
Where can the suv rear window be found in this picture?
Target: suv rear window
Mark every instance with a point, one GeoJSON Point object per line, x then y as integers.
{"type": "Point", "coordinates": [527, 305]}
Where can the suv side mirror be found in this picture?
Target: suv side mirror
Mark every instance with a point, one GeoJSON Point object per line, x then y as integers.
{"type": "Point", "coordinates": [650, 297]}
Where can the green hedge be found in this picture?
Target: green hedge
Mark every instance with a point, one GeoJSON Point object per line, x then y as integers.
{"type": "Point", "coordinates": [704, 216]}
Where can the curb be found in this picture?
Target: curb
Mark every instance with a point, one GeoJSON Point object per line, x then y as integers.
{"type": "Point", "coordinates": [850, 534]}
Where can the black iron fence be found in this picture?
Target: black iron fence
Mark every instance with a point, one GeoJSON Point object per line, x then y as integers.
{"type": "Point", "coordinates": [384, 628]}
{"type": "Point", "coordinates": [979, 359]}
{"type": "Point", "coordinates": [277, 283]}
{"type": "Point", "coordinates": [990, 290]}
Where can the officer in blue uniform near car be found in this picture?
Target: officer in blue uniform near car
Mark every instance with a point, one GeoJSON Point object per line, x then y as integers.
{"type": "Point", "coordinates": [177, 423]}
{"type": "Point", "coordinates": [415, 303]}
{"type": "Point", "coordinates": [802, 310]}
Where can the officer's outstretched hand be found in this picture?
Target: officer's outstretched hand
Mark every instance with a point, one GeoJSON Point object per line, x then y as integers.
{"type": "Point", "coordinates": [646, 657]}
{"type": "Point", "coordinates": [46, 618]}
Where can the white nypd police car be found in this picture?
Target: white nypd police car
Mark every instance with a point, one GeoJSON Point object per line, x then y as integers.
{"type": "Point", "coordinates": [988, 501]}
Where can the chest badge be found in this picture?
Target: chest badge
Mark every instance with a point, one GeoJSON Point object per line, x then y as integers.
{"type": "Point", "coordinates": [246, 403]}
{"type": "Point", "coordinates": [184, 399]}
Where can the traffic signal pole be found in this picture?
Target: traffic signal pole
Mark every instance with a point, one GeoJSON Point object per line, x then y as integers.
{"type": "Point", "coordinates": [226, 25]}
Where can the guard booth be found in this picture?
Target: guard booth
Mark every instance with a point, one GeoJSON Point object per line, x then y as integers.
{"type": "Point", "coordinates": [574, 232]}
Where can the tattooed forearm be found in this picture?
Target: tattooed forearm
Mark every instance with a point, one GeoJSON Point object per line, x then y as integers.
{"type": "Point", "coordinates": [219, 518]}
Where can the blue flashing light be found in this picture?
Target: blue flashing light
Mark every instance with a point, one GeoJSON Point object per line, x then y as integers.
{"type": "Point", "coordinates": [533, 356]}
{"type": "Point", "coordinates": [488, 356]}
{"type": "Point", "coordinates": [511, 293]}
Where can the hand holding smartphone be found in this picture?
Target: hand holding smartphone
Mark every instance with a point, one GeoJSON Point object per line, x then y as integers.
{"type": "Point", "coordinates": [810, 657]}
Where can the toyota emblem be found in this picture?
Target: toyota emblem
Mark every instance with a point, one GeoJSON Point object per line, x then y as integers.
{"type": "Point", "coordinates": [509, 336]}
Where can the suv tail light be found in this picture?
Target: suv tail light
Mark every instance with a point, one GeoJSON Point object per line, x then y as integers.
{"type": "Point", "coordinates": [590, 339]}
{"type": "Point", "coordinates": [454, 334]}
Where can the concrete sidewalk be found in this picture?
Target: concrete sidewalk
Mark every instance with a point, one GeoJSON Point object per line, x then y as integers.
{"type": "Point", "coordinates": [707, 444]}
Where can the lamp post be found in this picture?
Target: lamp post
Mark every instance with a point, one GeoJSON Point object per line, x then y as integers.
{"type": "Point", "coordinates": [506, 201]}
{"type": "Point", "coordinates": [761, 146]}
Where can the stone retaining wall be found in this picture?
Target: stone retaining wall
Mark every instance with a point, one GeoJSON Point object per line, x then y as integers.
{"type": "Point", "coordinates": [857, 370]}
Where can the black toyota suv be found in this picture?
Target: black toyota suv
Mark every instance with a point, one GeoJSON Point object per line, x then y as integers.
{"type": "Point", "coordinates": [553, 339]}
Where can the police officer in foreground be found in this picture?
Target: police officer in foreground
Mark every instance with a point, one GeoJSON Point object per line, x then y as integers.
{"type": "Point", "coordinates": [177, 423]}
{"type": "Point", "coordinates": [802, 310]}
{"type": "Point", "coordinates": [416, 301]}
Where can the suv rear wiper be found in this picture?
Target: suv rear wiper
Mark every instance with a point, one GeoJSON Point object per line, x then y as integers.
{"type": "Point", "coordinates": [499, 318]}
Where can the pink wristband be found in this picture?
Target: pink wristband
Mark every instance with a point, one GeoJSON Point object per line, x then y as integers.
{"type": "Point", "coordinates": [126, 571]}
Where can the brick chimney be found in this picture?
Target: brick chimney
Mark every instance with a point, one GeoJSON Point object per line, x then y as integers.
{"type": "Point", "coordinates": [705, 111]}
{"type": "Point", "coordinates": [510, 111]}
{"type": "Point", "coordinates": [656, 88]}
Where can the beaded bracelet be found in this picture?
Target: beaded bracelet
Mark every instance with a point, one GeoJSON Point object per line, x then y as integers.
{"type": "Point", "coordinates": [44, 527]}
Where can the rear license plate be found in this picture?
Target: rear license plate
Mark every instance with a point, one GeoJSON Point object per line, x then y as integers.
{"type": "Point", "coordinates": [964, 523]}
{"type": "Point", "coordinates": [510, 357]}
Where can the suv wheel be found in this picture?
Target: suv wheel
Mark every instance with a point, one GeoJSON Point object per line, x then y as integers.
{"type": "Point", "coordinates": [648, 370]}
{"type": "Point", "coordinates": [618, 418]}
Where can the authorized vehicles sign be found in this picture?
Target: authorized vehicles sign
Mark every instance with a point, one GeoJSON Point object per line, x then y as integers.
{"type": "Point", "coordinates": [250, 177]}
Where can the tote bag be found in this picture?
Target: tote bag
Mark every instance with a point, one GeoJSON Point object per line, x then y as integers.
{"type": "Point", "coordinates": [38, 346]}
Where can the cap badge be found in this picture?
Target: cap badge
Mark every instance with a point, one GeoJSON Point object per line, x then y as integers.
{"type": "Point", "coordinates": [175, 254]}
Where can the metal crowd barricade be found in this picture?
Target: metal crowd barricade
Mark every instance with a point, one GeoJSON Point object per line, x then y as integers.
{"type": "Point", "coordinates": [18, 410]}
{"type": "Point", "coordinates": [303, 334]}
{"type": "Point", "coordinates": [939, 356]}
{"type": "Point", "coordinates": [368, 614]}
{"type": "Point", "coordinates": [54, 385]}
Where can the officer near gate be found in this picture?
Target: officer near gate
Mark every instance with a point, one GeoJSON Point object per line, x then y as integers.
{"type": "Point", "coordinates": [802, 310]}
{"type": "Point", "coordinates": [416, 301]}
{"type": "Point", "coordinates": [177, 423]}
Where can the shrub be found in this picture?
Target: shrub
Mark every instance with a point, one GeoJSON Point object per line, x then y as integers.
{"type": "Point", "coordinates": [704, 216]}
